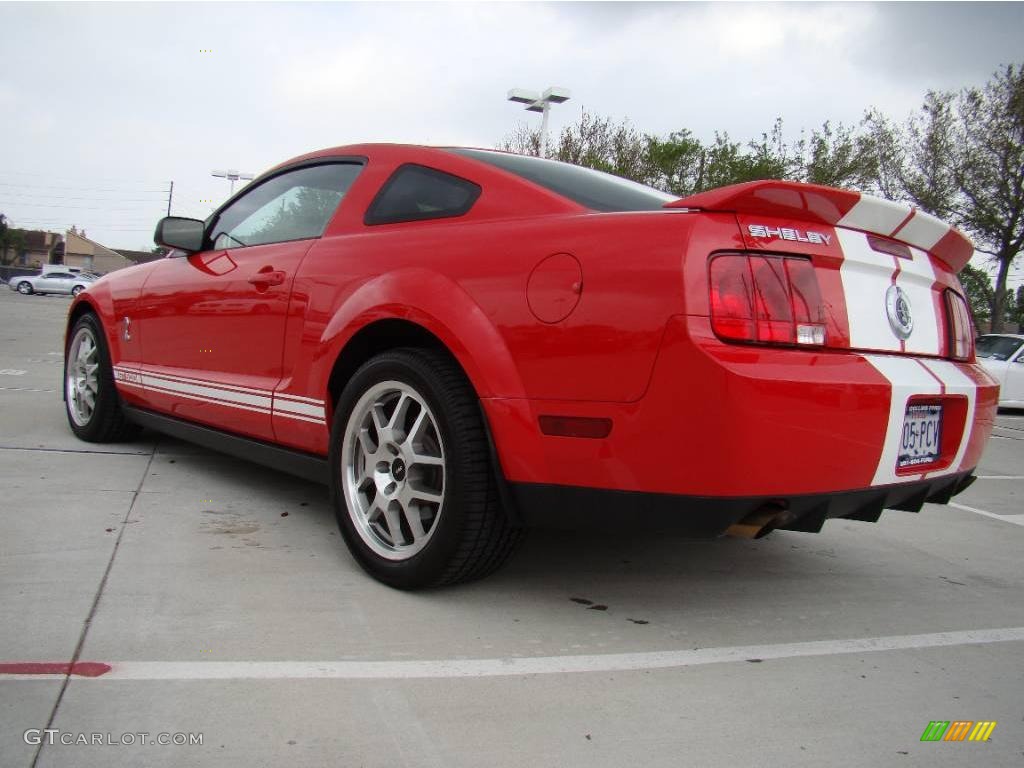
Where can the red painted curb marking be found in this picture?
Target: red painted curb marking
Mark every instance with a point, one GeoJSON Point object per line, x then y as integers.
{"type": "Point", "coordinates": [79, 668]}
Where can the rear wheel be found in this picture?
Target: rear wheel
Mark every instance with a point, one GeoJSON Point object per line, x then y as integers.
{"type": "Point", "coordinates": [91, 400]}
{"type": "Point", "coordinates": [25, 288]}
{"type": "Point", "coordinates": [411, 477]}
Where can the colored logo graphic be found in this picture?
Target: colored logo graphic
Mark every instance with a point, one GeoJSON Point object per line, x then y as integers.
{"type": "Point", "coordinates": [958, 730]}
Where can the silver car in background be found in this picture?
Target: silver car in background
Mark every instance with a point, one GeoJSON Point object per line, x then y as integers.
{"type": "Point", "coordinates": [51, 282]}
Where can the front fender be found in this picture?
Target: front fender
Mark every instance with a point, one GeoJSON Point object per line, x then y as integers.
{"type": "Point", "coordinates": [96, 299]}
{"type": "Point", "coordinates": [441, 306]}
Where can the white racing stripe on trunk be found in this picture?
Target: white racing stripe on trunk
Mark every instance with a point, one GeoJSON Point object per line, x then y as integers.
{"type": "Point", "coordinates": [906, 378]}
{"type": "Point", "coordinates": [866, 275]}
{"type": "Point", "coordinates": [924, 230]}
{"type": "Point", "coordinates": [956, 383]}
{"type": "Point", "coordinates": [873, 214]}
{"type": "Point", "coordinates": [916, 278]}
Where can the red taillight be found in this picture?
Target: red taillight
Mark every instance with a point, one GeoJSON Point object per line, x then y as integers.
{"type": "Point", "coordinates": [961, 329]}
{"type": "Point", "coordinates": [768, 299]}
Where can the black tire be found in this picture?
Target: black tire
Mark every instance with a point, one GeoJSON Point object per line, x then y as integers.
{"type": "Point", "coordinates": [107, 423]}
{"type": "Point", "coordinates": [472, 535]}
{"type": "Point", "coordinates": [77, 290]}
{"type": "Point", "coordinates": [25, 288]}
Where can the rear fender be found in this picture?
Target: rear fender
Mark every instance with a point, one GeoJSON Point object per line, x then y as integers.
{"type": "Point", "coordinates": [442, 307]}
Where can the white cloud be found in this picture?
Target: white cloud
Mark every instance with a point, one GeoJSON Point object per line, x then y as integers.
{"type": "Point", "coordinates": [121, 92]}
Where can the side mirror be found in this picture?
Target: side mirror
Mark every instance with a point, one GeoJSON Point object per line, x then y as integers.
{"type": "Point", "coordinates": [181, 233]}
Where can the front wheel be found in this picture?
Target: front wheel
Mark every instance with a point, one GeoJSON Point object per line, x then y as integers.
{"type": "Point", "coordinates": [93, 405]}
{"type": "Point", "coordinates": [25, 288]}
{"type": "Point", "coordinates": [411, 478]}
{"type": "Point", "coordinates": [77, 290]}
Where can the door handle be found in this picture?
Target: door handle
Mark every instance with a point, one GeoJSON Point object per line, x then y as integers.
{"type": "Point", "coordinates": [268, 276]}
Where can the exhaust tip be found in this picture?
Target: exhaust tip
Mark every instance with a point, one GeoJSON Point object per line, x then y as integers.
{"type": "Point", "coordinates": [760, 522]}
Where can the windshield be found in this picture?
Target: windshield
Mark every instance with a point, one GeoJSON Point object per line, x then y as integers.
{"type": "Point", "coordinates": [997, 347]}
{"type": "Point", "coordinates": [594, 189]}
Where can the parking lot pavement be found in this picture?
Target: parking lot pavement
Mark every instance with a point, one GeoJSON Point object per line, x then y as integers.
{"type": "Point", "coordinates": [223, 601]}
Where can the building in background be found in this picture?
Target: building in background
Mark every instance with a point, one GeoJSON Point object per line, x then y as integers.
{"type": "Point", "coordinates": [36, 247]}
{"type": "Point", "coordinates": [90, 256]}
{"type": "Point", "coordinates": [140, 257]}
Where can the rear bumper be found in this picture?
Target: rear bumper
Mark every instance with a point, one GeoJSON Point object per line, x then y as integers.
{"type": "Point", "coordinates": [739, 423]}
{"type": "Point", "coordinates": [567, 507]}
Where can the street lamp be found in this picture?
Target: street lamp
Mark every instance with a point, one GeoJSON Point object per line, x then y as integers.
{"type": "Point", "coordinates": [540, 103]}
{"type": "Point", "coordinates": [233, 176]}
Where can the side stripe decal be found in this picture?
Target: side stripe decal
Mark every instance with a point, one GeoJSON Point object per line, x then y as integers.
{"type": "Point", "coordinates": [295, 407]}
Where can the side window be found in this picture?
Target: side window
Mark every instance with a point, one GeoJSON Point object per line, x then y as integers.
{"type": "Point", "coordinates": [292, 206]}
{"type": "Point", "coordinates": [415, 193]}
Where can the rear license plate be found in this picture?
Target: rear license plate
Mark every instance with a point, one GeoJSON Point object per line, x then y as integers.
{"type": "Point", "coordinates": [921, 440]}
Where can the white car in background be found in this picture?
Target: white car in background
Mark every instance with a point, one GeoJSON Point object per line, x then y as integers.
{"type": "Point", "coordinates": [1002, 355]}
{"type": "Point", "coordinates": [51, 282]}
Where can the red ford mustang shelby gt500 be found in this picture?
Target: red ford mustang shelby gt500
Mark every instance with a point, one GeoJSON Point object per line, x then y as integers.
{"type": "Point", "coordinates": [464, 342]}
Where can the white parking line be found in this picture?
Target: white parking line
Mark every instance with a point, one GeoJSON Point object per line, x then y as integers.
{"type": "Point", "coordinates": [542, 665]}
{"type": "Point", "coordinates": [993, 515]}
{"type": "Point", "coordinates": [1000, 477]}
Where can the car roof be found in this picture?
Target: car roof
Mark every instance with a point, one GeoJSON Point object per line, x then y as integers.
{"type": "Point", "coordinates": [382, 151]}
{"type": "Point", "coordinates": [1002, 335]}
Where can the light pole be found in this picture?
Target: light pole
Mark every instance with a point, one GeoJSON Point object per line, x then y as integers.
{"type": "Point", "coordinates": [540, 103]}
{"type": "Point", "coordinates": [233, 176]}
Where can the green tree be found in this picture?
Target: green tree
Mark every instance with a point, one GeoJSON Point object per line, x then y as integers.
{"type": "Point", "coordinates": [837, 156]}
{"type": "Point", "coordinates": [677, 164]}
{"type": "Point", "coordinates": [4, 230]}
{"type": "Point", "coordinates": [522, 141]}
{"type": "Point", "coordinates": [605, 145]}
{"type": "Point", "coordinates": [12, 241]}
{"type": "Point", "coordinates": [961, 157]}
{"type": "Point", "coordinates": [978, 287]}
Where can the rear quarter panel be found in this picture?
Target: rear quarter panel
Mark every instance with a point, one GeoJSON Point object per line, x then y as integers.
{"type": "Point", "coordinates": [466, 282]}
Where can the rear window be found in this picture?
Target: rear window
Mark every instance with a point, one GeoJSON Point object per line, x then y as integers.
{"type": "Point", "coordinates": [592, 189]}
{"type": "Point", "coordinates": [416, 193]}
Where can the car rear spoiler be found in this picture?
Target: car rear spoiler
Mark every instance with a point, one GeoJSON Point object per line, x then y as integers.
{"type": "Point", "coordinates": [838, 208]}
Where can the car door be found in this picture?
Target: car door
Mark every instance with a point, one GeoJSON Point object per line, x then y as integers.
{"type": "Point", "coordinates": [213, 322]}
{"type": "Point", "coordinates": [54, 282]}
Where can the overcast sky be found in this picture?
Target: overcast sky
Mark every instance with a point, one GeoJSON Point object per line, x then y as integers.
{"type": "Point", "coordinates": [102, 105]}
